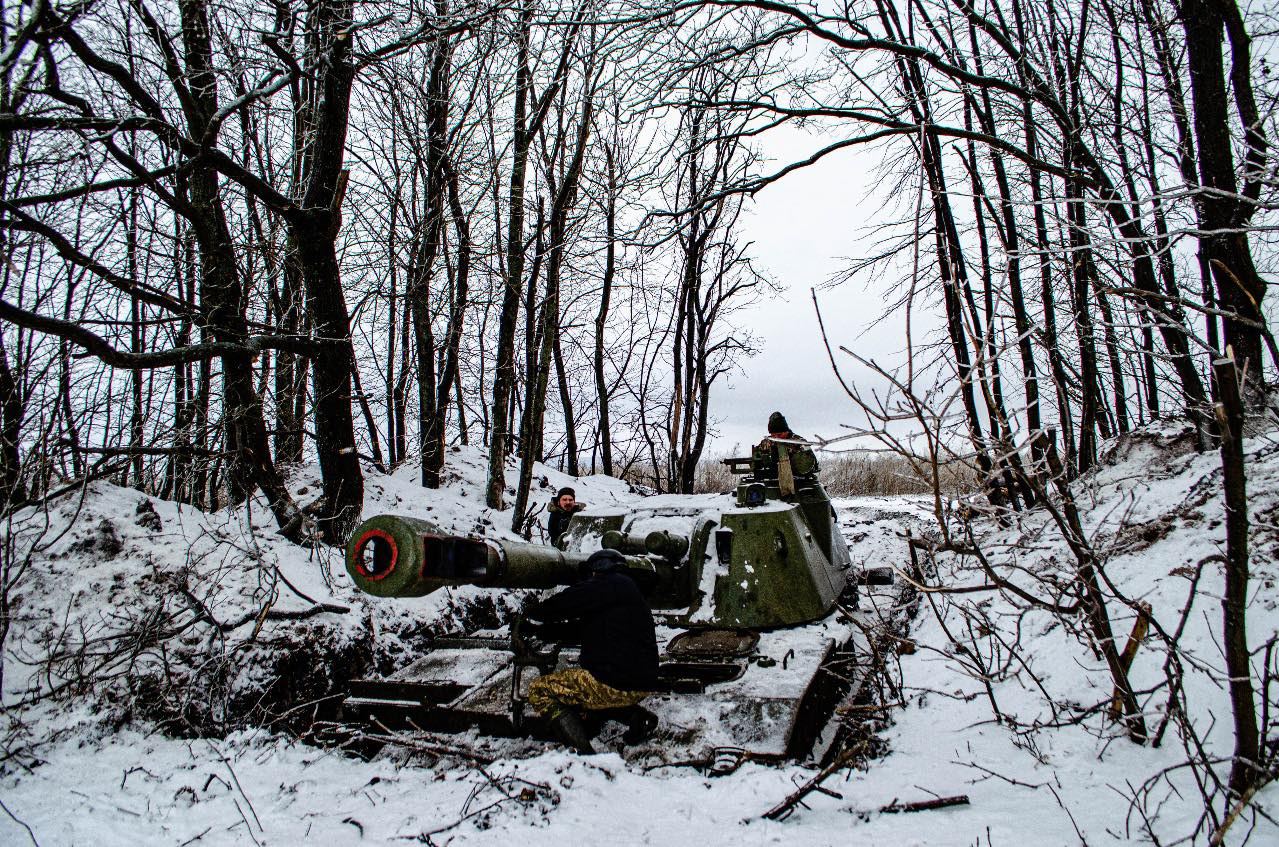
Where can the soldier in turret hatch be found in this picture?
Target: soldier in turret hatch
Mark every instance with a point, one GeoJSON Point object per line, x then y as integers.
{"type": "Point", "coordinates": [563, 507]}
{"type": "Point", "coordinates": [618, 658]}
{"type": "Point", "coordinates": [785, 461]}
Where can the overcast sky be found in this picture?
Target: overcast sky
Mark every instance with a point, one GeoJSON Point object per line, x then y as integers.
{"type": "Point", "coordinates": [804, 228]}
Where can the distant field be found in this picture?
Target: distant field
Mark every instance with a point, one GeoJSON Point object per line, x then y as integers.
{"type": "Point", "coordinates": [853, 475]}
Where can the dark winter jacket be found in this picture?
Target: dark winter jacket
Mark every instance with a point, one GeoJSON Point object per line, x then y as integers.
{"type": "Point", "coordinates": [619, 646]}
{"type": "Point", "coordinates": [557, 523]}
{"type": "Point", "coordinates": [772, 452]}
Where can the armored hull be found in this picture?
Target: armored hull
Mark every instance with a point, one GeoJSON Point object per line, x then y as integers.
{"type": "Point", "coordinates": [754, 595]}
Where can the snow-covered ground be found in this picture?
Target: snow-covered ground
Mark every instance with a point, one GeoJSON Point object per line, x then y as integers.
{"type": "Point", "coordinates": [146, 742]}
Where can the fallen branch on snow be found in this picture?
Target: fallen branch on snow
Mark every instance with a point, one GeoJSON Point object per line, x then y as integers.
{"type": "Point", "coordinates": [783, 809]}
{"type": "Point", "coordinates": [925, 805]}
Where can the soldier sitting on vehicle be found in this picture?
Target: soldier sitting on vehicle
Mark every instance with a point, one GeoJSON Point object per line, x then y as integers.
{"type": "Point", "coordinates": [775, 458]}
{"type": "Point", "coordinates": [618, 659]}
{"type": "Point", "coordinates": [563, 507]}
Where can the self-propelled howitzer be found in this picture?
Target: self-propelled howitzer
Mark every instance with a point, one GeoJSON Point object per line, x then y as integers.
{"type": "Point", "coordinates": [753, 595]}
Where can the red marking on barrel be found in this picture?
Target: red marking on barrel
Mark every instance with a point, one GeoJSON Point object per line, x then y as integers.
{"type": "Point", "coordinates": [359, 554]}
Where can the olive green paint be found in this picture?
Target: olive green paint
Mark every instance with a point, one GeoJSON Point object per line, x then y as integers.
{"type": "Point", "coordinates": [787, 563]}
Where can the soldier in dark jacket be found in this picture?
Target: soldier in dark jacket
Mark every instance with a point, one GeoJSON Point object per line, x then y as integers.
{"type": "Point", "coordinates": [618, 659]}
{"type": "Point", "coordinates": [563, 507]}
{"type": "Point", "coordinates": [785, 461]}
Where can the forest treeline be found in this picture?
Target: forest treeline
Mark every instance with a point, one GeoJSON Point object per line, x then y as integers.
{"type": "Point", "coordinates": [241, 237]}
{"type": "Point", "coordinates": [237, 237]}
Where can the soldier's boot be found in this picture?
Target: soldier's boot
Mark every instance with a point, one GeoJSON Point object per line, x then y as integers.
{"type": "Point", "coordinates": [594, 720]}
{"type": "Point", "coordinates": [640, 724]}
{"type": "Point", "coordinates": [570, 730]}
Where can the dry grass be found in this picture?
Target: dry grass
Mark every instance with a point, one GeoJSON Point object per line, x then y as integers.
{"type": "Point", "coordinates": [853, 475]}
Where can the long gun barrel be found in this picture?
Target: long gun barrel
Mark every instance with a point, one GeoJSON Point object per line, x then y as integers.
{"type": "Point", "coordinates": [761, 562]}
{"type": "Point", "coordinates": [390, 556]}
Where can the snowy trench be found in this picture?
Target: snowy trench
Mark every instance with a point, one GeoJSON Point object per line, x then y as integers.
{"type": "Point", "coordinates": [161, 660]}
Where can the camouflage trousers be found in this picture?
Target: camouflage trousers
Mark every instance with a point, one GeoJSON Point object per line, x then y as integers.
{"type": "Point", "coordinates": [551, 693]}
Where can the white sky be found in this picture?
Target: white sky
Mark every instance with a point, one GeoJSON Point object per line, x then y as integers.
{"type": "Point", "coordinates": [803, 228]}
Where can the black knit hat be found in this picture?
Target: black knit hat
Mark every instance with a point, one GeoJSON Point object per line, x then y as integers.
{"type": "Point", "coordinates": [563, 491]}
{"type": "Point", "coordinates": [777, 423]}
{"type": "Point", "coordinates": [605, 561]}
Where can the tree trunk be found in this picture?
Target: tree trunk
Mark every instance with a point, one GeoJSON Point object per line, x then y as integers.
{"type": "Point", "coordinates": [137, 414]}
{"type": "Point", "coordinates": [951, 267]}
{"type": "Point", "coordinates": [1186, 164]}
{"type": "Point", "coordinates": [341, 477]}
{"type": "Point", "coordinates": [504, 372]}
{"type": "Point", "coordinates": [12, 413]}
{"type": "Point", "coordinates": [1057, 367]}
{"type": "Point", "coordinates": [400, 392]}
{"type": "Point", "coordinates": [566, 403]}
{"type": "Point", "coordinates": [1118, 385]}
{"type": "Point", "coordinates": [427, 249]}
{"type": "Point", "coordinates": [290, 372]}
{"type": "Point", "coordinates": [12, 402]}
{"type": "Point", "coordinates": [314, 228]}
{"type": "Point", "coordinates": [375, 445]}
{"type": "Point", "coordinates": [564, 198]}
{"type": "Point", "coordinates": [1012, 247]}
{"type": "Point", "coordinates": [222, 295]}
{"type": "Point", "coordinates": [1245, 770]}
{"type": "Point", "coordinates": [1083, 275]}
{"type": "Point", "coordinates": [1226, 212]}
{"type": "Point", "coordinates": [984, 331]}
{"type": "Point", "coordinates": [447, 377]}
{"type": "Point", "coordinates": [601, 317]}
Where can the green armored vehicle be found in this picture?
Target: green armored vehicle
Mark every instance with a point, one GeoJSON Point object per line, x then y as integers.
{"type": "Point", "coordinates": [754, 596]}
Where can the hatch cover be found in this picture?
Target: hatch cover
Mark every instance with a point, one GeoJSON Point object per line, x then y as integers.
{"type": "Point", "coordinates": [713, 642]}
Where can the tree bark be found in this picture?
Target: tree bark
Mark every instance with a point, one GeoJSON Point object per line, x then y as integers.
{"type": "Point", "coordinates": [447, 379]}
{"type": "Point", "coordinates": [566, 403]}
{"type": "Point", "coordinates": [1065, 415]}
{"type": "Point", "coordinates": [1245, 769]}
{"type": "Point", "coordinates": [530, 113]}
{"type": "Point", "coordinates": [222, 294]}
{"type": "Point", "coordinates": [290, 373]}
{"type": "Point", "coordinates": [313, 227]}
{"type": "Point", "coordinates": [601, 317]}
{"type": "Point", "coordinates": [1226, 211]}
{"type": "Point", "coordinates": [565, 195]}
{"type": "Point", "coordinates": [504, 372]}
{"type": "Point", "coordinates": [426, 251]}
{"type": "Point", "coordinates": [12, 414]}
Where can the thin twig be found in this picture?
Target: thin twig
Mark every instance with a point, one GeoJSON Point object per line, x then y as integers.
{"type": "Point", "coordinates": [20, 823]}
